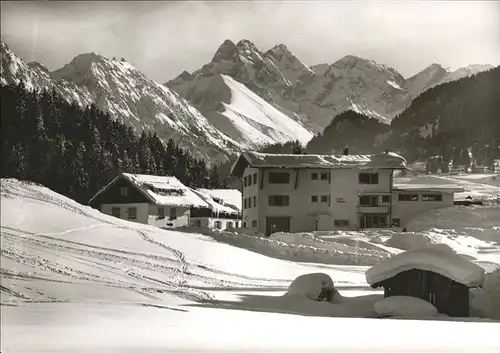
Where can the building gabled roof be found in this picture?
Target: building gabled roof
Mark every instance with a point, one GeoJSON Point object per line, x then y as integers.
{"type": "Point", "coordinates": [161, 190]}
{"type": "Point", "coordinates": [428, 187]}
{"type": "Point", "coordinates": [231, 198]}
{"type": "Point", "coordinates": [267, 160]}
{"type": "Point", "coordinates": [218, 204]}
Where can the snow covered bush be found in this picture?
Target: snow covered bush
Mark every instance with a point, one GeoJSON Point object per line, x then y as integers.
{"type": "Point", "coordinates": [313, 286]}
{"type": "Point", "coordinates": [404, 306]}
{"type": "Point", "coordinates": [485, 302]}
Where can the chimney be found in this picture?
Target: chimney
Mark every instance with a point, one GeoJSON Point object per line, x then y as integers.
{"type": "Point", "coordinates": [386, 151]}
{"type": "Point", "coordinates": [345, 152]}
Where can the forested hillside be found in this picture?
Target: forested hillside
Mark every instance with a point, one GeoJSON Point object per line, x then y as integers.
{"type": "Point", "coordinates": [444, 120]}
{"type": "Point", "coordinates": [350, 128]}
{"type": "Point", "coordinates": [76, 151]}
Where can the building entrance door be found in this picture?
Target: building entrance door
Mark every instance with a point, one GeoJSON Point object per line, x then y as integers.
{"type": "Point", "coordinates": [373, 221]}
{"type": "Point", "coordinates": [277, 224]}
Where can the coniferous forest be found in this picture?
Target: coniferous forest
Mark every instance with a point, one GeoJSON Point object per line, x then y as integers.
{"type": "Point", "coordinates": [76, 151]}
{"type": "Point", "coordinates": [350, 128]}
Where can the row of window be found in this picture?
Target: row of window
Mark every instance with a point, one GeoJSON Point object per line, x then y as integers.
{"type": "Point", "coordinates": [250, 180]}
{"type": "Point", "coordinates": [254, 224]}
{"type": "Point", "coordinates": [284, 178]}
{"type": "Point", "coordinates": [374, 200]}
{"type": "Point", "coordinates": [320, 198]}
{"type": "Point", "coordinates": [365, 200]}
{"type": "Point", "coordinates": [218, 224]}
{"type": "Point", "coordinates": [132, 212]}
{"type": "Point", "coordinates": [321, 176]}
{"type": "Point", "coordinates": [336, 223]}
{"type": "Point", "coordinates": [425, 197]}
{"type": "Point", "coordinates": [247, 202]}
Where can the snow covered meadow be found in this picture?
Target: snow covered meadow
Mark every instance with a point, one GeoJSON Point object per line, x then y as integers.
{"type": "Point", "coordinates": [73, 279]}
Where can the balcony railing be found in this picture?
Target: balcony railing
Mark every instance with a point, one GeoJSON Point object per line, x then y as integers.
{"type": "Point", "coordinates": [373, 209]}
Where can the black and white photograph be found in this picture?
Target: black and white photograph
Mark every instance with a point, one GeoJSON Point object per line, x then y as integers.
{"type": "Point", "coordinates": [250, 176]}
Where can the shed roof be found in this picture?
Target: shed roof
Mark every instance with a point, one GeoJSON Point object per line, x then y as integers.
{"type": "Point", "coordinates": [438, 258]}
{"type": "Point", "coordinates": [267, 160]}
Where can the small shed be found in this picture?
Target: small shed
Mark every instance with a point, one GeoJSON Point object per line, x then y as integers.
{"type": "Point", "coordinates": [434, 273]}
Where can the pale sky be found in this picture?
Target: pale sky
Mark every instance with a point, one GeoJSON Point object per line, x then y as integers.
{"type": "Point", "coordinates": [164, 38]}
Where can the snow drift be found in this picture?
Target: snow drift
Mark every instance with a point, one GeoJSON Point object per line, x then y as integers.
{"type": "Point", "coordinates": [404, 306]}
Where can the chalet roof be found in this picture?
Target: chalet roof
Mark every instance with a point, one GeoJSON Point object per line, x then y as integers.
{"type": "Point", "coordinates": [231, 197]}
{"type": "Point", "coordinates": [428, 187]}
{"type": "Point", "coordinates": [161, 190]}
{"type": "Point", "coordinates": [166, 190]}
{"type": "Point", "coordinates": [218, 204]}
{"type": "Point", "coordinates": [438, 258]}
{"type": "Point", "coordinates": [267, 160]}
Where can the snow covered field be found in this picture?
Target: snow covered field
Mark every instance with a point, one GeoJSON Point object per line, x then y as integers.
{"type": "Point", "coordinates": [73, 279]}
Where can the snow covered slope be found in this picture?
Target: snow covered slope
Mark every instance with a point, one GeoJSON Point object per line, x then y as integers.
{"type": "Point", "coordinates": [241, 90]}
{"type": "Point", "coordinates": [256, 122]}
{"type": "Point", "coordinates": [47, 237]}
{"type": "Point", "coordinates": [118, 88]}
{"type": "Point", "coordinates": [69, 273]}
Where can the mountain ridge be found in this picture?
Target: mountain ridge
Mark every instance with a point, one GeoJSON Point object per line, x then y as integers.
{"type": "Point", "coordinates": [313, 95]}
{"type": "Point", "coordinates": [244, 98]}
{"type": "Point", "coordinates": [117, 87]}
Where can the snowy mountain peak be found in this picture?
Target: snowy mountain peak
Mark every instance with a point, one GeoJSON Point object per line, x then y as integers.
{"type": "Point", "coordinates": [226, 51]}
{"type": "Point", "coordinates": [434, 66]}
{"type": "Point", "coordinates": [95, 67]}
{"type": "Point", "coordinates": [352, 61]}
{"type": "Point", "coordinates": [435, 74]}
{"type": "Point", "coordinates": [118, 88]}
{"type": "Point", "coordinates": [280, 50]}
{"type": "Point", "coordinates": [245, 44]}
{"type": "Point", "coordinates": [39, 66]}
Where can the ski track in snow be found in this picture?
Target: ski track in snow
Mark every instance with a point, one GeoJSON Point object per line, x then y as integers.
{"type": "Point", "coordinates": [105, 260]}
{"type": "Point", "coordinates": [140, 272]}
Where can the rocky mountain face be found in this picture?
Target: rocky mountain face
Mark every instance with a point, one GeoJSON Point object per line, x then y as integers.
{"type": "Point", "coordinates": [121, 90]}
{"type": "Point", "coordinates": [243, 92]}
{"type": "Point", "coordinates": [312, 96]}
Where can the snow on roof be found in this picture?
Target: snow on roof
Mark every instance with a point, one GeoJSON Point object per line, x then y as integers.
{"type": "Point", "coordinates": [268, 160]}
{"type": "Point", "coordinates": [438, 258]}
{"type": "Point", "coordinates": [428, 187]}
{"type": "Point", "coordinates": [216, 204]}
{"type": "Point", "coordinates": [231, 197]}
{"type": "Point", "coordinates": [165, 190]}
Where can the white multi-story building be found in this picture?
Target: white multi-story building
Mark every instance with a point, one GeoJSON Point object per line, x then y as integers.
{"type": "Point", "coordinates": [299, 192]}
